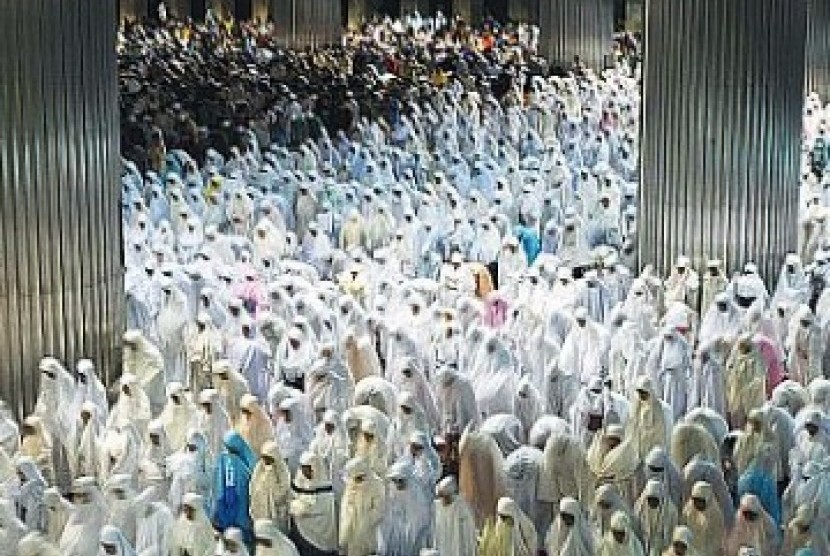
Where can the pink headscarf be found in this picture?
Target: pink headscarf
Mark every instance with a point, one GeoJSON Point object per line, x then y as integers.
{"type": "Point", "coordinates": [769, 354]}
{"type": "Point", "coordinates": [495, 310]}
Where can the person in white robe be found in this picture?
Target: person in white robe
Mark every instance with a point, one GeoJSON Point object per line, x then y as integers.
{"type": "Point", "coordinates": [231, 386]}
{"type": "Point", "coordinates": [179, 415]}
{"type": "Point", "coordinates": [190, 470]}
{"type": "Point", "coordinates": [512, 533]}
{"type": "Point", "coordinates": [669, 366]}
{"type": "Point", "coordinates": [793, 286]}
{"type": "Point", "coordinates": [620, 539]}
{"type": "Point", "coordinates": [193, 533]}
{"type": "Point", "coordinates": [254, 423]}
{"type": "Point", "coordinates": [9, 430]}
{"type": "Point", "coordinates": [114, 543]}
{"type": "Point", "coordinates": [313, 508]}
{"type": "Point", "coordinates": [249, 355]}
{"type": "Point", "coordinates": [89, 389]}
{"type": "Point", "coordinates": [331, 445]}
{"type": "Point", "coordinates": [36, 544]}
{"type": "Point", "coordinates": [132, 407]}
{"type": "Point", "coordinates": [58, 510]}
{"type": "Point", "coordinates": [362, 509]}
{"type": "Point", "coordinates": [651, 421]}
{"type": "Point", "coordinates": [203, 346]}
{"type": "Point", "coordinates": [721, 320]}
{"type": "Point", "coordinates": [294, 356]}
{"type": "Point", "coordinates": [455, 529]}
{"type": "Point", "coordinates": [270, 541]}
{"type": "Point", "coordinates": [406, 525]}
{"type": "Point", "coordinates": [145, 362]}
{"type": "Point", "coordinates": [171, 325]}
{"type": "Point", "coordinates": [683, 283]}
{"type": "Point", "coordinates": [270, 487]}
{"type": "Point", "coordinates": [658, 518]}
{"type": "Point", "coordinates": [213, 420]}
{"type": "Point", "coordinates": [456, 400]}
{"type": "Point", "coordinates": [57, 413]}
{"type": "Point", "coordinates": [28, 498]}
{"type": "Point", "coordinates": [804, 347]}
{"type": "Point", "coordinates": [583, 353]}
{"type": "Point", "coordinates": [708, 377]}
{"type": "Point", "coordinates": [293, 431]}
{"type": "Point", "coordinates": [570, 533]}
{"type": "Point", "coordinates": [154, 529]}
{"type": "Point", "coordinates": [89, 514]}
{"type": "Point", "coordinates": [713, 282]}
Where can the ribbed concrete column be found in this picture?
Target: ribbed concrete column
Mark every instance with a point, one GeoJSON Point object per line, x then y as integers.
{"type": "Point", "coordinates": [524, 11]}
{"type": "Point", "coordinates": [179, 9]}
{"type": "Point", "coordinates": [634, 15]}
{"type": "Point", "coordinates": [410, 6]}
{"type": "Point", "coordinates": [358, 12]}
{"type": "Point", "coordinates": [61, 289]}
{"type": "Point", "coordinates": [818, 48]}
{"type": "Point", "coordinates": [135, 10]}
{"type": "Point", "coordinates": [259, 10]}
{"type": "Point", "coordinates": [304, 23]}
{"type": "Point", "coordinates": [570, 28]}
{"type": "Point", "coordinates": [723, 86]}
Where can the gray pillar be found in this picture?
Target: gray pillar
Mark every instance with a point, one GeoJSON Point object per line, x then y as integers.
{"type": "Point", "coordinates": [135, 10]}
{"type": "Point", "coordinates": [61, 288]}
{"type": "Point", "coordinates": [634, 15]}
{"type": "Point", "coordinates": [524, 11]}
{"type": "Point", "coordinates": [259, 10]}
{"type": "Point", "coordinates": [570, 28]}
{"type": "Point", "coordinates": [304, 23]}
{"type": "Point", "coordinates": [723, 86]}
{"type": "Point", "coordinates": [180, 9]}
{"type": "Point", "coordinates": [410, 6]}
{"type": "Point", "coordinates": [358, 12]}
{"type": "Point", "coordinates": [818, 48]}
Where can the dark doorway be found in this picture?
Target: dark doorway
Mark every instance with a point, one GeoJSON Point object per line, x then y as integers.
{"type": "Point", "coordinates": [153, 9]}
{"type": "Point", "coordinates": [496, 9]}
{"type": "Point", "coordinates": [198, 9]}
{"type": "Point", "coordinates": [243, 10]}
{"type": "Point", "coordinates": [444, 6]}
{"type": "Point", "coordinates": [619, 15]}
{"type": "Point", "coordinates": [344, 13]}
{"type": "Point", "coordinates": [391, 8]}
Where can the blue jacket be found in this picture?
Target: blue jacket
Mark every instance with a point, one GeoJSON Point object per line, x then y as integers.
{"type": "Point", "coordinates": [760, 483]}
{"type": "Point", "coordinates": [530, 243]}
{"type": "Point", "coordinates": [232, 477]}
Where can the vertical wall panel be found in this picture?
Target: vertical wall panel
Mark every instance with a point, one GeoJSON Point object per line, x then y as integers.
{"type": "Point", "coordinates": [722, 97]}
{"type": "Point", "coordinates": [411, 6]}
{"type": "Point", "coordinates": [306, 23]}
{"type": "Point", "coordinates": [569, 28]}
{"type": "Point", "coordinates": [60, 257]}
{"type": "Point", "coordinates": [133, 9]}
{"type": "Point", "coordinates": [818, 48]}
{"type": "Point", "coordinates": [524, 11]}
{"type": "Point", "coordinates": [179, 9]}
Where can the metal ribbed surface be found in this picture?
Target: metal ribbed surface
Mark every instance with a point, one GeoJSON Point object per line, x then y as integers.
{"type": "Point", "coordinates": [60, 256]}
{"type": "Point", "coordinates": [132, 9]}
{"type": "Point", "coordinates": [180, 9]}
{"type": "Point", "coordinates": [570, 28]}
{"type": "Point", "coordinates": [818, 47]}
{"type": "Point", "coordinates": [721, 127]}
{"type": "Point", "coordinates": [410, 6]}
{"type": "Point", "coordinates": [525, 11]}
{"type": "Point", "coordinates": [358, 12]}
{"type": "Point", "coordinates": [306, 23]}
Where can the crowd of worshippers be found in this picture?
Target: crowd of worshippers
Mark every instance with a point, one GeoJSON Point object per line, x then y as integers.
{"type": "Point", "coordinates": [419, 329]}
